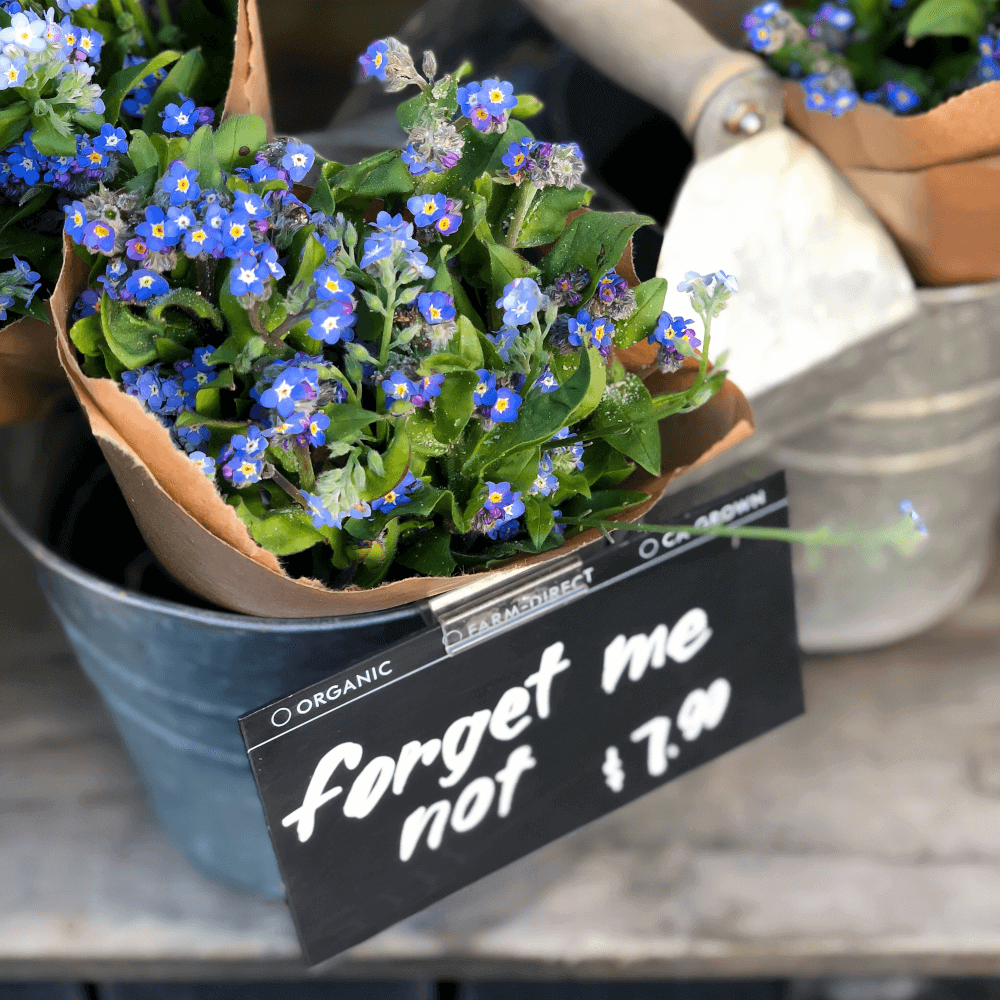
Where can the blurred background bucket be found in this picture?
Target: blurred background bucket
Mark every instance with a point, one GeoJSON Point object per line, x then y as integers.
{"type": "Point", "coordinates": [918, 419]}
{"type": "Point", "coordinates": [174, 673]}
{"type": "Point", "coordinates": [924, 426]}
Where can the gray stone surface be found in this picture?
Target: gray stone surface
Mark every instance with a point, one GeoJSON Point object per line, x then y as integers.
{"type": "Point", "coordinates": [861, 838]}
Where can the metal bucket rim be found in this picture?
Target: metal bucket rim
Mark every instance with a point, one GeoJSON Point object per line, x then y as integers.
{"type": "Point", "coordinates": [956, 294]}
{"type": "Point", "coordinates": [229, 619]}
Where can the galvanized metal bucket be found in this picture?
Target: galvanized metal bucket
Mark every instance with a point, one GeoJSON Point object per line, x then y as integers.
{"type": "Point", "coordinates": [917, 418]}
{"type": "Point", "coordinates": [175, 676]}
{"type": "Point", "coordinates": [924, 426]}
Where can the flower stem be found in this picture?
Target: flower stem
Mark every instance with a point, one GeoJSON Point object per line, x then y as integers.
{"type": "Point", "coordinates": [164, 8]}
{"type": "Point", "coordinates": [205, 282]}
{"type": "Point", "coordinates": [526, 195]}
{"type": "Point", "coordinates": [901, 536]}
{"type": "Point", "coordinates": [288, 487]}
{"type": "Point", "coordinates": [135, 9]}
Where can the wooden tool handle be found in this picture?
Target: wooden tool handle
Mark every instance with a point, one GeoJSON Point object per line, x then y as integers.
{"type": "Point", "coordinates": [653, 48]}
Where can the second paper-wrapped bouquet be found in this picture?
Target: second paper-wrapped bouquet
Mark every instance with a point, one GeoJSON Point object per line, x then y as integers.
{"type": "Point", "coordinates": [342, 397]}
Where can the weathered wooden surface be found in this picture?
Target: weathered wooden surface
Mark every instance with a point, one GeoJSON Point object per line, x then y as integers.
{"type": "Point", "coordinates": [862, 838]}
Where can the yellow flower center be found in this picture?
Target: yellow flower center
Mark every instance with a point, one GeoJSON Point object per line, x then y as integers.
{"type": "Point", "coordinates": [501, 404]}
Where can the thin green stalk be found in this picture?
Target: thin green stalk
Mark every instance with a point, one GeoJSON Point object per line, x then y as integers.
{"type": "Point", "coordinates": [288, 487]}
{"type": "Point", "coordinates": [135, 9]}
{"type": "Point", "coordinates": [163, 7]}
{"type": "Point", "coordinates": [902, 536]}
{"type": "Point", "coordinates": [526, 195]}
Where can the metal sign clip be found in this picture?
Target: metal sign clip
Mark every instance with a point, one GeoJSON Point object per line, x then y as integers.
{"type": "Point", "coordinates": [484, 608]}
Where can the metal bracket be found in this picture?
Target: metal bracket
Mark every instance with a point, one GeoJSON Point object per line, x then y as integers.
{"type": "Point", "coordinates": [744, 106]}
{"type": "Point", "coordinates": [486, 607]}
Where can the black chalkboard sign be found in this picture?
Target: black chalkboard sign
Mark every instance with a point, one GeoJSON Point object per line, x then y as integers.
{"type": "Point", "coordinates": [526, 713]}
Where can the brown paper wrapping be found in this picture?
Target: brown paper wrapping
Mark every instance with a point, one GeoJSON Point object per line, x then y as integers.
{"type": "Point", "coordinates": [933, 178]}
{"type": "Point", "coordinates": [31, 378]}
{"type": "Point", "coordinates": [200, 540]}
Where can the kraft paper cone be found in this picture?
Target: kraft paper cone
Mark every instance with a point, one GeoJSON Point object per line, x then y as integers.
{"type": "Point", "coordinates": [201, 542]}
{"type": "Point", "coordinates": [248, 92]}
{"type": "Point", "coordinates": [933, 178]}
{"type": "Point", "coordinates": [31, 378]}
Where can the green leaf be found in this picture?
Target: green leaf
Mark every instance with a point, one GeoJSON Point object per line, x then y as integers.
{"type": "Point", "coordinates": [601, 503]}
{"type": "Point", "coordinates": [227, 428]}
{"type": "Point", "coordinates": [423, 440]}
{"type": "Point", "coordinates": [476, 154]}
{"type": "Point", "coordinates": [594, 240]}
{"type": "Point", "coordinates": [516, 132]}
{"type": "Point", "coordinates": [409, 111]}
{"type": "Point", "coordinates": [322, 199]}
{"type": "Point", "coordinates": [538, 519]}
{"type": "Point", "coordinates": [235, 133]}
{"type": "Point", "coordinates": [190, 301]}
{"type": "Point", "coordinates": [13, 121]}
{"type": "Point", "coordinates": [546, 218]}
{"type": "Point", "coordinates": [346, 420]}
{"type": "Point", "coordinates": [453, 408]}
{"type": "Point", "coordinates": [430, 554]}
{"type": "Point", "coordinates": [88, 335]}
{"type": "Point", "coordinates": [466, 344]}
{"type": "Point", "coordinates": [240, 326]}
{"type": "Point", "coordinates": [505, 266]}
{"type": "Point", "coordinates": [131, 339]}
{"type": "Point", "coordinates": [142, 152]}
{"type": "Point", "coordinates": [443, 363]}
{"type": "Point", "coordinates": [313, 256]}
{"type": "Point", "coordinates": [571, 484]}
{"type": "Point", "coordinates": [527, 106]}
{"type": "Point", "coordinates": [395, 462]}
{"type": "Point", "coordinates": [381, 174]}
{"type": "Point", "coordinates": [944, 17]}
{"type": "Point", "coordinates": [629, 405]}
{"type": "Point", "coordinates": [597, 375]}
{"type": "Point", "coordinates": [44, 252]}
{"type": "Point", "coordinates": [14, 213]}
{"type": "Point", "coordinates": [201, 156]}
{"type": "Point", "coordinates": [543, 415]}
{"type": "Point", "coordinates": [208, 402]}
{"type": "Point", "coordinates": [284, 532]}
{"type": "Point", "coordinates": [604, 467]}
{"type": "Point", "coordinates": [182, 79]}
{"type": "Point", "coordinates": [126, 79]}
{"type": "Point", "coordinates": [144, 182]}
{"type": "Point", "coordinates": [50, 140]}
{"type": "Point", "coordinates": [160, 143]}
{"type": "Point", "coordinates": [649, 298]}
{"type": "Point", "coordinates": [170, 350]}
{"type": "Point", "coordinates": [112, 365]}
